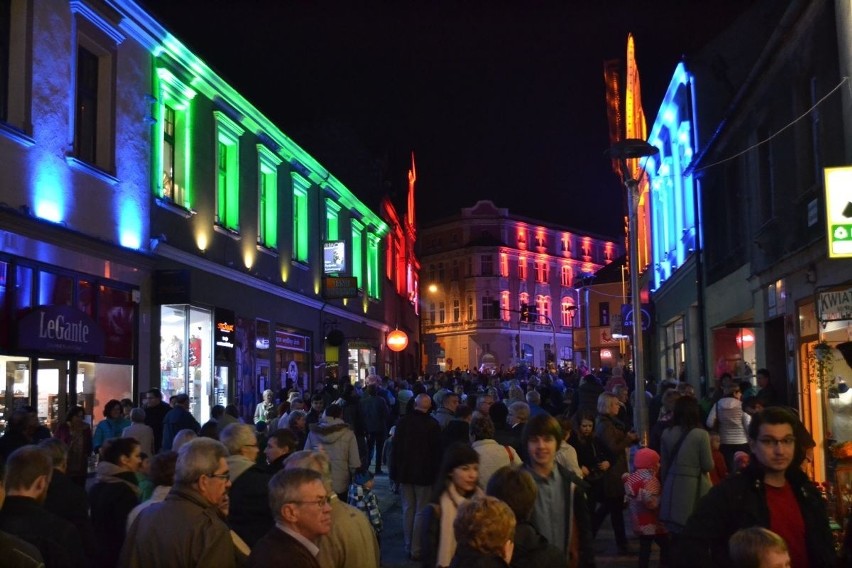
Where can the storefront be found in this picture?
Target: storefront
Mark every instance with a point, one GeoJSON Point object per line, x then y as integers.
{"type": "Point", "coordinates": [66, 338]}
{"type": "Point", "coordinates": [361, 360]}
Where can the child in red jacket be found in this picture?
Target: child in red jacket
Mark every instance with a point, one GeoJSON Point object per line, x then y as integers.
{"type": "Point", "coordinates": [643, 494]}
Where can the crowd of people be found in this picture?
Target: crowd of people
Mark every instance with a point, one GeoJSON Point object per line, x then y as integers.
{"type": "Point", "coordinates": [491, 470]}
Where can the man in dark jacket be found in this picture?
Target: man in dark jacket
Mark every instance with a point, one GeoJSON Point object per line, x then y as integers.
{"type": "Point", "coordinates": [374, 413]}
{"type": "Point", "coordinates": [302, 515]}
{"type": "Point", "coordinates": [65, 498]}
{"type": "Point", "coordinates": [155, 413]}
{"type": "Point", "coordinates": [177, 419]}
{"type": "Point", "coordinates": [249, 516]}
{"type": "Point", "coordinates": [772, 492]}
{"type": "Point", "coordinates": [28, 473]}
{"type": "Point", "coordinates": [415, 459]}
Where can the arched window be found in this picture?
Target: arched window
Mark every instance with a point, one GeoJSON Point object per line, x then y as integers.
{"type": "Point", "coordinates": [568, 312]}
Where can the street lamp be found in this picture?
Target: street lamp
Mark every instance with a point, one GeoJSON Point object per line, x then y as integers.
{"type": "Point", "coordinates": [631, 149]}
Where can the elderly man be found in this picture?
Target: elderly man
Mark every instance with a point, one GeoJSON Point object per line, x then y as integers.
{"type": "Point", "coordinates": [415, 459]}
{"type": "Point", "coordinates": [483, 404]}
{"type": "Point", "coordinates": [519, 414]}
{"type": "Point", "coordinates": [186, 530]}
{"type": "Point", "coordinates": [301, 505]}
{"type": "Point", "coordinates": [250, 517]}
{"type": "Point", "coordinates": [448, 403]}
{"type": "Point", "coordinates": [28, 473]}
{"type": "Point", "coordinates": [351, 541]}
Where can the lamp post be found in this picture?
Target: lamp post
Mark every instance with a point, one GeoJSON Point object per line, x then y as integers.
{"type": "Point", "coordinates": [631, 149]}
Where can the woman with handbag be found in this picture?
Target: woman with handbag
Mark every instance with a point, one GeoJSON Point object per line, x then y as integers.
{"type": "Point", "coordinates": [686, 463]}
{"type": "Point", "coordinates": [731, 421]}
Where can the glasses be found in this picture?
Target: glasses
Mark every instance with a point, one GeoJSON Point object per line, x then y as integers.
{"type": "Point", "coordinates": [768, 442]}
{"type": "Point", "coordinates": [223, 476]}
{"type": "Point", "coordinates": [319, 501]}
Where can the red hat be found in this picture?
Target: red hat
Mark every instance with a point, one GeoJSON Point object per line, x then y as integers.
{"type": "Point", "coordinates": [646, 458]}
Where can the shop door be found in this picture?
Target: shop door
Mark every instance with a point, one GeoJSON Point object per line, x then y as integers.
{"type": "Point", "coordinates": [52, 391]}
{"type": "Point", "coordinates": [17, 386]}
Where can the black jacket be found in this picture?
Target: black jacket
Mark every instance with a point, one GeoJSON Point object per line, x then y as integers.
{"type": "Point", "coordinates": [69, 501]}
{"type": "Point", "coordinates": [533, 551]}
{"type": "Point", "coordinates": [249, 514]}
{"type": "Point", "coordinates": [277, 548]}
{"type": "Point", "coordinates": [740, 502]}
{"type": "Point", "coordinates": [110, 505]}
{"type": "Point", "coordinates": [55, 538]}
{"type": "Point", "coordinates": [416, 451]}
{"type": "Point", "coordinates": [466, 557]}
{"type": "Point", "coordinates": [154, 417]}
{"type": "Point", "coordinates": [177, 419]}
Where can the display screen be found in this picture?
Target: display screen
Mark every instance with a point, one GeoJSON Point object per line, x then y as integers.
{"type": "Point", "coordinates": [334, 257]}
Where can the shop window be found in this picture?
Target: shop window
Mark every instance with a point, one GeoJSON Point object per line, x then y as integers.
{"type": "Point", "coordinates": [267, 198]}
{"type": "Point", "coordinates": [228, 135]}
{"type": "Point", "coordinates": [186, 356]}
{"type": "Point", "coordinates": [15, 388]}
{"type": "Point", "coordinates": [116, 316]}
{"type": "Point", "coordinates": [55, 289]}
{"type": "Point", "coordinates": [172, 177]}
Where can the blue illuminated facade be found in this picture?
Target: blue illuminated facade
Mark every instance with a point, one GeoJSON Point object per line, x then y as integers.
{"type": "Point", "coordinates": [675, 230]}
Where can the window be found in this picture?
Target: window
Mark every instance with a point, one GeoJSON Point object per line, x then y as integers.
{"type": "Point", "coordinates": [566, 244]}
{"type": "Point", "coordinates": [540, 241]}
{"type": "Point", "coordinates": [442, 313]}
{"type": "Point", "coordinates": [487, 265]}
{"type": "Point", "coordinates": [5, 47]}
{"type": "Point", "coordinates": [441, 271]}
{"type": "Point", "coordinates": [374, 289]}
{"type": "Point", "coordinates": [332, 222]}
{"type": "Point", "coordinates": [566, 276]}
{"type": "Point", "coordinates": [432, 319]}
{"type": "Point", "coordinates": [568, 311]}
{"type": "Point", "coordinates": [490, 307]}
{"type": "Point", "coordinates": [504, 306]}
{"type": "Point", "coordinates": [172, 174]}
{"type": "Point", "coordinates": [523, 300]}
{"type": "Point", "coordinates": [504, 265]}
{"type": "Point", "coordinates": [357, 252]}
{"type": "Point", "coordinates": [86, 133]}
{"type": "Point", "coordinates": [603, 313]}
{"type": "Point", "coordinates": [228, 135]}
{"type": "Point", "coordinates": [94, 91]}
{"type": "Point", "coordinates": [522, 239]}
{"type": "Point", "coordinates": [267, 198]}
{"type": "Point", "coordinates": [456, 311]}
{"type": "Point", "coordinates": [300, 218]}
{"type": "Point", "coordinates": [454, 271]}
{"type": "Point", "coordinates": [542, 308]}
{"type": "Point", "coordinates": [522, 268]}
{"type": "Point", "coordinates": [15, 60]}
{"type": "Point", "coordinates": [541, 271]}
{"type": "Point", "coordinates": [470, 308]}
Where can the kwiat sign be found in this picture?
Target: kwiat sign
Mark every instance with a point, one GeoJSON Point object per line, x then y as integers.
{"type": "Point", "coordinates": [60, 329]}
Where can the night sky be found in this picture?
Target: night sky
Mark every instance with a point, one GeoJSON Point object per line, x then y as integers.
{"type": "Point", "coordinates": [499, 100]}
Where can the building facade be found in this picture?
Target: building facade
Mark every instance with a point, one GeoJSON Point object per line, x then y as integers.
{"type": "Point", "coordinates": [499, 290]}
{"type": "Point", "coordinates": [159, 231]}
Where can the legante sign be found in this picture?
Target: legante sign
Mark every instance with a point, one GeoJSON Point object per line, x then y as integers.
{"type": "Point", "coordinates": [60, 329]}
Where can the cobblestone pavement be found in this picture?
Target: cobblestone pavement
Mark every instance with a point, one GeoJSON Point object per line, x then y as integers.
{"type": "Point", "coordinates": [393, 554]}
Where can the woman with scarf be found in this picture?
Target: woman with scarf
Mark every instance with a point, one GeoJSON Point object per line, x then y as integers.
{"type": "Point", "coordinates": [457, 481]}
{"type": "Point", "coordinates": [615, 437]}
{"type": "Point", "coordinates": [112, 497]}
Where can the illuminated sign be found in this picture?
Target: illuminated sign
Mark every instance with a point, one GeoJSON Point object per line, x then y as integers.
{"type": "Point", "coordinates": [838, 211]}
{"type": "Point", "coordinates": [397, 340]}
{"type": "Point", "coordinates": [834, 305]}
{"type": "Point", "coordinates": [290, 341]}
{"type": "Point", "coordinates": [339, 287]}
{"type": "Point", "coordinates": [334, 257]}
{"type": "Point", "coordinates": [60, 329]}
{"type": "Point", "coordinates": [223, 335]}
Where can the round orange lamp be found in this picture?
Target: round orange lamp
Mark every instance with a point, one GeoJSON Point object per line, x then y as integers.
{"type": "Point", "coordinates": [397, 340]}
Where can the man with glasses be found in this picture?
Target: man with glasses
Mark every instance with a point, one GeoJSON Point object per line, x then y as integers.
{"type": "Point", "coordinates": [155, 413]}
{"type": "Point", "coordinates": [301, 506]}
{"type": "Point", "coordinates": [772, 492]}
{"type": "Point", "coordinates": [186, 530]}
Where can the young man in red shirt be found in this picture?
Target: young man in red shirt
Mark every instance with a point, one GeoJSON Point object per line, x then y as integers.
{"type": "Point", "coordinates": [772, 492]}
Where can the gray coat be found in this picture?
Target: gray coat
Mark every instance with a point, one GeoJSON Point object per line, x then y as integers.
{"type": "Point", "coordinates": [686, 479]}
